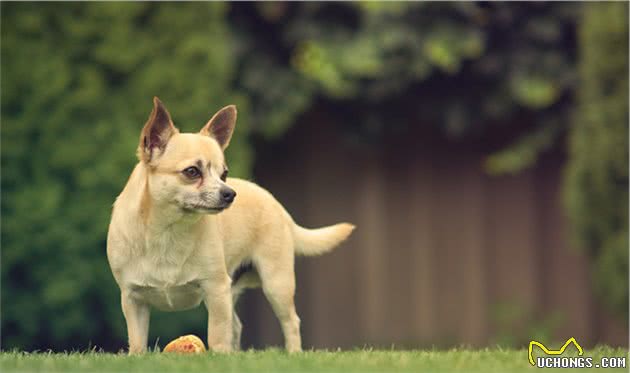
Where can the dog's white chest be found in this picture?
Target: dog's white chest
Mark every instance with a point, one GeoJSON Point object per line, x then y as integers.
{"type": "Point", "coordinates": [167, 276]}
{"type": "Point", "coordinates": [166, 286]}
{"type": "Point", "coordinates": [170, 298]}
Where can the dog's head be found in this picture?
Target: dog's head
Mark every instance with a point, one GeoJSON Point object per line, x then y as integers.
{"type": "Point", "coordinates": [188, 170]}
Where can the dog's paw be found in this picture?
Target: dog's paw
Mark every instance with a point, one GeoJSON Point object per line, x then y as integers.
{"type": "Point", "coordinates": [221, 348]}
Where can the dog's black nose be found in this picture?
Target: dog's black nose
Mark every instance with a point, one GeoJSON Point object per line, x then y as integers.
{"type": "Point", "coordinates": [227, 195]}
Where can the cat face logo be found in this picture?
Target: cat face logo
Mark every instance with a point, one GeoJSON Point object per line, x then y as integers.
{"type": "Point", "coordinates": [553, 352]}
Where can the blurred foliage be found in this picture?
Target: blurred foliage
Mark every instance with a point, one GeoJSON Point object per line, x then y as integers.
{"type": "Point", "coordinates": [523, 152]}
{"type": "Point", "coordinates": [466, 68]}
{"type": "Point", "coordinates": [597, 174]}
{"type": "Point", "coordinates": [77, 82]}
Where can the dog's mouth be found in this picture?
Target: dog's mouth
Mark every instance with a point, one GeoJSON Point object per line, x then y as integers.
{"type": "Point", "coordinates": [204, 209]}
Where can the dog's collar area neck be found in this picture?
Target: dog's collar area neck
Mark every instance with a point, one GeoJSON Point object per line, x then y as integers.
{"type": "Point", "coordinates": [172, 218]}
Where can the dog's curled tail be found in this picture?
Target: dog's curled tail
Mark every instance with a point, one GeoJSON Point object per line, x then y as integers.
{"type": "Point", "coordinates": [311, 242]}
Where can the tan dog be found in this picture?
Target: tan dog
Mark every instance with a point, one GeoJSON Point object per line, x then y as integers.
{"type": "Point", "coordinates": [173, 242]}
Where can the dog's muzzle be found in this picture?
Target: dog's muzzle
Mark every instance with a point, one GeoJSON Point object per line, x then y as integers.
{"type": "Point", "coordinates": [205, 203]}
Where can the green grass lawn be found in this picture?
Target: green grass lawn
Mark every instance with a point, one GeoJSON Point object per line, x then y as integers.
{"type": "Point", "coordinates": [457, 360]}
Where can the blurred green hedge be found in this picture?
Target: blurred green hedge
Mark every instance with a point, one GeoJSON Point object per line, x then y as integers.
{"type": "Point", "coordinates": [78, 78]}
{"type": "Point", "coordinates": [597, 174]}
{"type": "Point", "coordinates": [77, 84]}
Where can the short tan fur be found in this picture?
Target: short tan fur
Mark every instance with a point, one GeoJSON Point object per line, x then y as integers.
{"type": "Point", "coordinates": [180, 228]}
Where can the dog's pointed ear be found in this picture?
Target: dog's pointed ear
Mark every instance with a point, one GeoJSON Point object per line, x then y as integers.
{"type": "Point", "coordinates": [156, 132]}
{"type": "Point", "coordinates": [221, 126]}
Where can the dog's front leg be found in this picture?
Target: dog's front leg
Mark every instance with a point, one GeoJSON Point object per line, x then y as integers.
{"type": "Point", "coordinates": [218, 300]}
{"type": "Point", "coordinates": [137, 316]}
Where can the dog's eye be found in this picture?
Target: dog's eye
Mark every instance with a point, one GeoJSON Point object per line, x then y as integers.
{"type": "Point", "coordinates": [224, 174]}
{"type": "Point", "coordinates": [192, 172]}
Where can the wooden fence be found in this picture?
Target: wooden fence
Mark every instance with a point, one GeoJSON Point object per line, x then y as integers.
{"type": "Point", "coordinates": [443, 255]}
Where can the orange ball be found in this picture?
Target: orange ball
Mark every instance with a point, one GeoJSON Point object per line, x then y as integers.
{"type": "Point", "coordinates": [188, 344]}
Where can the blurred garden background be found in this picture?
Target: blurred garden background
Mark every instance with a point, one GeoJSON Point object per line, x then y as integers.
{"type": "Point", "coordinates": [481, 149]}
